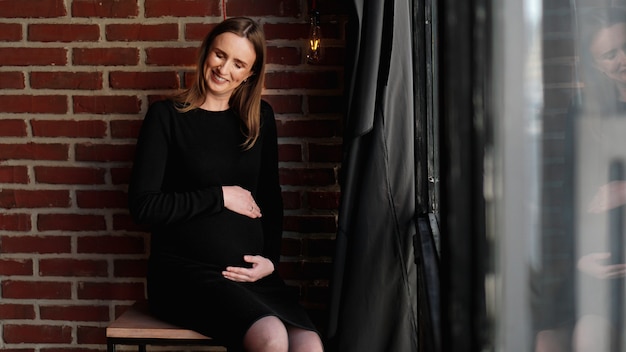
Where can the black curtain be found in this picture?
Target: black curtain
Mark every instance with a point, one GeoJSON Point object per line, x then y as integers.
{"type": "Point", "coordinates": [374, 299]}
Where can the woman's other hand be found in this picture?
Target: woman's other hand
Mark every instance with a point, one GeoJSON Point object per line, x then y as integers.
{"type": "Point", "coordinates": [595, 265]}
{"type": "Point", "coordinates": [261, 267]}
{"type": "Point", "coordinates": [240, 201]}
{"type": "Point", "coordinates": [609, 196]}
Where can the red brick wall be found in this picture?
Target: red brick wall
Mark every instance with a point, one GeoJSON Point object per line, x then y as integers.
{"type": "Point", "coordinates": [76, 77]}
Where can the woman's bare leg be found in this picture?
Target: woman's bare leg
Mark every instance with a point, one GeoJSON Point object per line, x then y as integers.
{"type": "Point", "coordinates": [267, 334]}
{"type": "Point", "coordinates": [301, 340]}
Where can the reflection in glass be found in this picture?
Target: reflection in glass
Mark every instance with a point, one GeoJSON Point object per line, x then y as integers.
{"type": "Point", "coordinates": [578, 295]}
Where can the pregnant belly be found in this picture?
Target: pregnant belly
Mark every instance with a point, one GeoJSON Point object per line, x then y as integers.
{"type": "Point", "coordinates": [220, 240]}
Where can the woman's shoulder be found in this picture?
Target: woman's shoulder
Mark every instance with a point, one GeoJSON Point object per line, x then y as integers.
{"type": "Point", "coordinates": [267, 112]}
{"type": "Point", "coordinates": [162, 105]}
{"type": "Point", "coordinates": [266, 108]}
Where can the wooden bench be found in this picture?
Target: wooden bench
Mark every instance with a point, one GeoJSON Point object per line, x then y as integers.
{"type": "Point", "coordinates": [137, 327]}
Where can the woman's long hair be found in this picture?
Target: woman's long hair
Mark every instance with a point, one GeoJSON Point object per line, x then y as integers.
{"type": "Point", "coordinates": [246, 99]}
{"type": "Point", "coordinates": [600, 93]}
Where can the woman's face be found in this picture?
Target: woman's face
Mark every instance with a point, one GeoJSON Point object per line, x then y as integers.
{"type": "Point", "coordinates": [608, 50]}
{"type": "Point", "coordinates": [229, 62]}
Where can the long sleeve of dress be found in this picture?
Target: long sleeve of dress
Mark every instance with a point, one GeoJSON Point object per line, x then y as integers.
{"type": "Point", "coordinates": [269, 192]}
{"type": "Point", "coordinates": [149, 203]}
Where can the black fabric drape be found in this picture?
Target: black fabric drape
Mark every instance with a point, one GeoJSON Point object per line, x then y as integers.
{"type": "Point", "coordinates": [373, 302]}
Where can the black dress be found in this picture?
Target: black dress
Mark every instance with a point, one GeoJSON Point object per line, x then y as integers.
{"type": "Point", "coordinates": [182, 161]}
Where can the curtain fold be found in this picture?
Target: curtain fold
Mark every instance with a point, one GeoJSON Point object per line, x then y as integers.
{"type": "Point", "coordinates": [374, 288]}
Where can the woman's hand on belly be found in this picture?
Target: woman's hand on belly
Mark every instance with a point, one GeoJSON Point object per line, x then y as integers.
{"type": "Point", "coordinates": [240, 201]}
{"type": "Point", "coordinates": [261, 267]}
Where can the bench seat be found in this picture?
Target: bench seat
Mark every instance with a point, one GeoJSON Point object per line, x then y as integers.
{"type": "Point", "coordinates": [137, 327]}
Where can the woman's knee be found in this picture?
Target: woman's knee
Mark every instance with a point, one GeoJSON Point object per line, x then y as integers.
{"type": "Point", "coordinates": [267, 334]}
{"type": "Point", "coordinates": [301, 340]}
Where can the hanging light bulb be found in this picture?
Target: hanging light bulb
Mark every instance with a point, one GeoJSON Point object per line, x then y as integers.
{"type": "Point", "coordinates": [314, 49]}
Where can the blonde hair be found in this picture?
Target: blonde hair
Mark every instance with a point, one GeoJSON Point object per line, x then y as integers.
{"type": "Point", "coordinates": [246, 99]}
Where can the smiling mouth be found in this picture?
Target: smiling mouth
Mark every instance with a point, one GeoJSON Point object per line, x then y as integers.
{"type": "Point", "coordinates": [217, 78]}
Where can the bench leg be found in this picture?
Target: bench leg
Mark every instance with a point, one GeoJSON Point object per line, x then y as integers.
{"type": "Point", "coordinates": [110, 347]}
{"type": "Point", "coordinates": [142, 348]}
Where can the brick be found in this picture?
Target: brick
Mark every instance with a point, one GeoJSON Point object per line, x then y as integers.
{"type": "Point", "coordinates": [12, 127]}
{"type": "Point", "coordinates": [142, 32]}
{"type": "Point", "coordinates": [332, 56]}
{"type": "Point", "coordinates": [182, 8]}
{"type": "Point", "coordinates": [112, 244]}
{"type": "Point", "coordinates": [106, 104]}
{"type": "Point", "coordinates": [299, 79]}
{"type": "Point", "coordinates": [69, 175]}
{"type": "Point", "coordinates": [34, 104]}
{"type": "Point", "coordinates": [105, 152]}
{"type": "Point", "coordinates": [309, 128]}
{"type": "Point", "coordinates": [316, 270]}
{"type": "Point", "coordinates": [15, 222]}
{"type": "Point", "coordinates": [66, 80]}
{"type": "Point", "coordinates": [92, 199]}
{"type": "Point", "coordinates": [188, 79]}
{"type": "Point", "coordinates": [19, 198]}
{"type": "Point", "coordinates": [319, 247]}
{"type": "Point", "coordinates": [289, 152]}
{"type": "Point", "coordinates": [70, 222]}
{"type": "Point", "coordinates": [34, 151]}
{"type": "Point", "coordinates": [65, 128]}
{"type": "Point", "coordinates": [66, 33]}
{"type": "Point", "coordinates": [283, 55]}
{"type": "Point", "coordinates": [558, 47]}
{"type": "Point", "coordinates": [75, 313]}
{"type": "Point", "coordinates": [10, 32]}
{"type": "Point", "coordinates": [274, 8]}
{"type": "Point", "coordinates": [36, 244]}
{"type": "Point", "coordinates": [310, 223]}
{"type": "Point", "coordinates": [307, 176]}
{"type": "Point", "coordinates": [290, 31]}
{"type": "Point", "coordinates": [158, 97]}
{"type": "Point", "coordinates": [291, 247]}
{"type": "Point", "coordinates": [73, 267]}
{"type": "Point", "coordinates": [105, 8]}
{"type": "Point", "coordinates": [37, 334]}
{"type": "Point", "coordinates": [326, 104]}
{"type": "Point", "coordinates": [89, 335]}
{"type": "Point", "coordinates": [318, 294]}
{"type": "Point", "coordinates": [144, 80]}
{"type": "Point", "coordinates": [105, 56]}
{"type": "Point", "coordinates": [13, 267]}
{"type": "Point", "coordinates": [12, 80]}
{"type": "Point", "coordinates": [324, 199]}
{"type": "Point", "coordinates": [285, 104]}
{"type": "Point", "coordinates": [325, 152]}
{"type": "Point", "coordinates": [125, 128]}
{"type": "Point", "coordinates": [197, 31]}
{"type": "Point", "coordinates": [290, 270]}
{"type": "Point", "coordinates": [14, 174]}
{"type": "Point", "coordinates": [120, 175]}
{"type": "Point", "coordinates": [33, 57]}
{"type": "Point", "coordinates": [17, 311]}
{"type": "Point", "coordinates": [292, 200]}
{"type": "Point", "coordinates": [171, 56]}
{"type": "Point", "coordinates": [36, 290]}
{"type": "Point", "coordinates": [111, 291]}
{"type": "Point", "coordinates": [130, 268]}
{"type": "Point", "coordinates": [77, 349]}
{"type": "Point", "coordinates": [126, 223]}
{"type": "Point", "coordinates": [32, 8]}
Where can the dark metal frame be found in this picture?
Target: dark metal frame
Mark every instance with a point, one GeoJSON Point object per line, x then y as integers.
{"type": "Point", "coordinates": [141, 343]}
{"type": "Point", "coordinates": [464, 87]}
